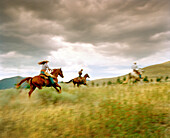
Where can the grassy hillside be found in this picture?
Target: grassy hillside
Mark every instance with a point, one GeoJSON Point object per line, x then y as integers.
{"type": "Point", "coordinates": [9, 82]}
{"type": "Point", "coordinates": [154, 71]}
{"type": "Point", "coordinates": [113, 111]}
{"type": "Point", "coordinates": [158, 70]}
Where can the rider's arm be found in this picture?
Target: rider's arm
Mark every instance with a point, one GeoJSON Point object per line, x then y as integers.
{"type": "Point", "coordinates": [48, 67]}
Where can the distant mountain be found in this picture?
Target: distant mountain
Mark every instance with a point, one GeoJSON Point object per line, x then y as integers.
{"type": "Point", "coordinates": [152, 72]}
{"type": "Point", "coordinates": [10, 82]}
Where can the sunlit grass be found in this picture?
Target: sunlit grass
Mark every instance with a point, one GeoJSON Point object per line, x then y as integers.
{"type": "Point", "coordinates": [113, 111]}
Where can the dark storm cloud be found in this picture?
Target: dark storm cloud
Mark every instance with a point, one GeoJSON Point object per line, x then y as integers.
{"type": "Point", "coordinates": [28, 24]}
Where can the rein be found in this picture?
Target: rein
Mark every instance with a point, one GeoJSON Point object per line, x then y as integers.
{"type": "Point", "coordinates": [56, 73]}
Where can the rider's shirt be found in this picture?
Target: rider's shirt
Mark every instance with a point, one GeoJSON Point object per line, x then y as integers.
{"type": "Point", "coordinates": [45, 67]}
{"type": "Point", "coordinates": [134, 67]}
{"type": "Point", "coordinates": [80, 73]}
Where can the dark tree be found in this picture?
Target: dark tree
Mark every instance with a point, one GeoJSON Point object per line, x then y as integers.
{"type": "Point", "coordinates": [166, 78]}
{"type": "Point", "coordinates": [118, 81]}
{"type": "Point", "coordinates": [124, 78]}
{"type": "Point", "coordinates": [158, 79]}
{"type": "Point", "coordinates": [92, 83]}
{"type": "Point", "coordinates": [109, 83]}
{"type": "Point", "coordinates": [146, 79]}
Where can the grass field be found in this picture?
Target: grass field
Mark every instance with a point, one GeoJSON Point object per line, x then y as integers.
{"type": "Point", "coordinates": [140, 110]}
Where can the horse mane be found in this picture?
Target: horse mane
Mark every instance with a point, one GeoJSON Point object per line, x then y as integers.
{"type": "Point", "coordinates": [57, 72]}
{"type": "Point", "coordinates": [86, 75]}
{"type": "Point", "coordinates": [54, 70]}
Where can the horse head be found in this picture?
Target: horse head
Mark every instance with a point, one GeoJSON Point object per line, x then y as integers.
{"type": "Point", "coordinates": [86, 76]}
{"type": "Point", "coordinates": [57, 72]}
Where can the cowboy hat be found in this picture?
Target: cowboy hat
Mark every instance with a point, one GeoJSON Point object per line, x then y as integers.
{"type": "Point", "coordinates": [43, 62]}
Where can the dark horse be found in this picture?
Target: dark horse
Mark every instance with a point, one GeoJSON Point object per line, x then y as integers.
{"type": "Point", "coordinates": [38, 81]}
{"type": "Point", "coordinates": [79, 80]}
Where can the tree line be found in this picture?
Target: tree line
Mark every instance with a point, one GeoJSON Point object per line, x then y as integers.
{"type": "Point", "coordinates": [120, 81]}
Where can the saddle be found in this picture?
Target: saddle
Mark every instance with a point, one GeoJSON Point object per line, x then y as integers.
{"type": "Point", "coordinates": [44, 76]}
{"type": "Point", "coordinates": [138, 73]}
{"type": "Point", "coordinates": [80, 79]}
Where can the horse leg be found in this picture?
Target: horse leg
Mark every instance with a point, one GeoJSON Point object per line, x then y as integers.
{"type": "Point", "coordinates": [32, 88]}
{"type": "Point", "coordinates": [57, 85]}
{"type": "Point", "coordinates": [126, 81]}
{"type": "Point", "coordinates": [38, 86]}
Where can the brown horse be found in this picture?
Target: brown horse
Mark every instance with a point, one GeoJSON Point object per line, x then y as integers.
{"type": "Point", "coordinates": [79, 80]}
{"type": "Point", "coordinates": [38, 81]}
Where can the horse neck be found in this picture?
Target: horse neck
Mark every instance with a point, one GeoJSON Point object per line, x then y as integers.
{"type": "Point", "coordinates": [55, 73]}
{"type": "Point", "coordinates": [85, 77]}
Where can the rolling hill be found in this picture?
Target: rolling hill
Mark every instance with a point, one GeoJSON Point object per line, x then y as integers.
{"type": "Point", "coordinates": [158, 70]}
{"type": "Point", "coordinates": [153, 71]}
{"type": "Point", "coordinates": [10, 82]}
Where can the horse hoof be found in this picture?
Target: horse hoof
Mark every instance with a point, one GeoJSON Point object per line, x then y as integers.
{"type": "Point", "coordinates": [17, 86]}
{"type": "Point", "coordinates": [59, 91]}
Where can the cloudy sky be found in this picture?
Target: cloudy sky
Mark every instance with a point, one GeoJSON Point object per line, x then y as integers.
{"type": "Point", "coordinates": [104, 37]}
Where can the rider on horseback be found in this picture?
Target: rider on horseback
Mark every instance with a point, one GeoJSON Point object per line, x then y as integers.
{"type": "Point", "coordinates": [80, 73]}
{"type": "Point", "coordinates": [44, 70]}
{"type": "Point", "coordinates": [135, 69]}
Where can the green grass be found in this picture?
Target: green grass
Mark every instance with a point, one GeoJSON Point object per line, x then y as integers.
{"type": "Point", "coordinates": [112, 111]}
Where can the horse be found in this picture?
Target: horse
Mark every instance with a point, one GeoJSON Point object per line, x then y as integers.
{"type": "Point", "coordinates": [133, 75]}
{"type": "Point", "coordinates": [79, 80]}
{"type": "Point", "coordinates": [39, 81]}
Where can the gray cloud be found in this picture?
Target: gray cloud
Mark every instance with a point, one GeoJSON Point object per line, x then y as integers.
{"type": "Point", "coordinates": [26, 26]}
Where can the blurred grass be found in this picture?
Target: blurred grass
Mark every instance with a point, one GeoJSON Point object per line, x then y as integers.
{"type": "Point", "coordinates": [113, 111]}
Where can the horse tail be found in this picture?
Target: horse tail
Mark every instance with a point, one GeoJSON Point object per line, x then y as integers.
{"type": "Point", "coordinates": [69, 81]}
{"type": "Point", "coordinates": [22, 81]}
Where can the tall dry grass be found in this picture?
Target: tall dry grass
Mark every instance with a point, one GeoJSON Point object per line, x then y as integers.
{"type": "Point", "coordinates": [114, 111]}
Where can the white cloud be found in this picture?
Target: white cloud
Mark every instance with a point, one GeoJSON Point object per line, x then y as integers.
{"type": "Point", "coordinates": [161, 36]}
{"type": "Point", "coordinates": [159, 57]}
{"type": "Point", "coordinates": [24, 71]}
{"type": "Point", "coordinates": [13, 54]}
{"type": "Point", "coordinates": [74, 56]}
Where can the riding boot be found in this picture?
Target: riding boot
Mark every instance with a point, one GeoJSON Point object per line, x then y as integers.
{"type": "Point", "coordinates": [51, 80]}
{"type": "Point", "coordinates": [140, 76]}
